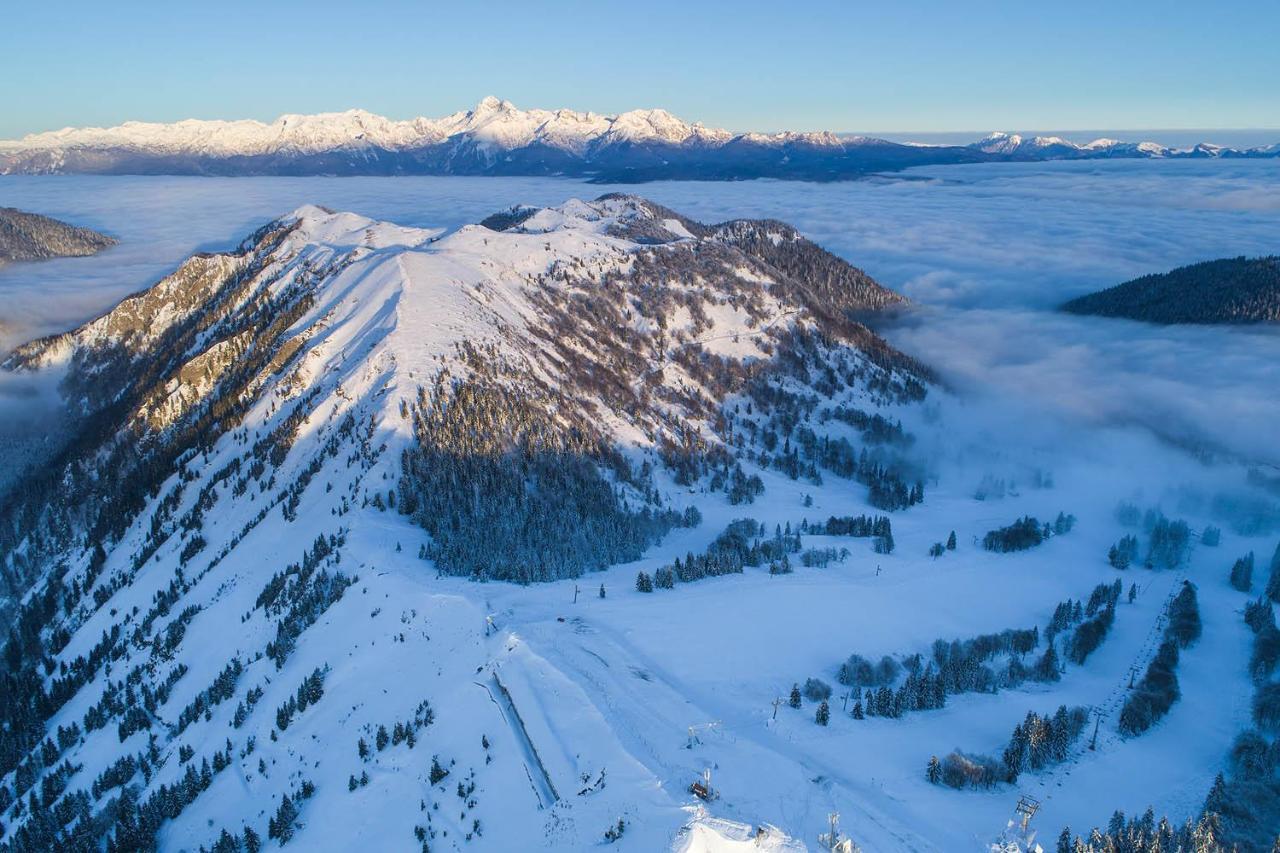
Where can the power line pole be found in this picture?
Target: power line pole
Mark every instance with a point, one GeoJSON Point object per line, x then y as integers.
{"type": "Point", "coordinates": [776, 703]}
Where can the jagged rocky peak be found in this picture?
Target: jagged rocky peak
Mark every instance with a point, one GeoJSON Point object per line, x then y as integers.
{"type": "Point", "coordinates": [32, 237]}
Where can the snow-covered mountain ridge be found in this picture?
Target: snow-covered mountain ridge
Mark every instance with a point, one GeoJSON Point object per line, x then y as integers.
{"type": "Point", "coordinates": [496, 137]}
{"type": "Point", "coordinates": [219, 538]}
{"type": "Point", "coordinates": [517, 537]}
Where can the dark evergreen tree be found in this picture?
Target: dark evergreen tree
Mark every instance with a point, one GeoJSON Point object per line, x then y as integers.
{"type": "Point", "coordinates": [1242, 573]}
{"type": "Point", "coordinates": [1273, 583]}
{"type": "Point", "coordinates": [282, 826]}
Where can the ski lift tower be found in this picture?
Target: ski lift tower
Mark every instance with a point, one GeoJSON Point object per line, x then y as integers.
{"type": "Point", "coordinates": [1025, 810]}
{"type": "Point", "coordinates": [1018, 836]}
{"type": "Point", "coordinates": [833, 841]}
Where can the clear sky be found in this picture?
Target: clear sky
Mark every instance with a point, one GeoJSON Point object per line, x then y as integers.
{"type": "Point", "coordinates": [845, 66]}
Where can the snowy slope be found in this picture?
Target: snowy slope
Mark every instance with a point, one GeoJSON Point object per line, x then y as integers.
{"type": "Point", "coordinates": [258, 405]}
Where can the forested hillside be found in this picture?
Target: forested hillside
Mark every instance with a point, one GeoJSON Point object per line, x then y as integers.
{"type": "Point", "coordinates": [1230, 290]}
{"type": "Point", "coordinates": [31, 237]}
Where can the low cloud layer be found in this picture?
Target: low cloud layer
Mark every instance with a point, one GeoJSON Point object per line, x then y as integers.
{"type": "Point", "coordinates": [986, 251]}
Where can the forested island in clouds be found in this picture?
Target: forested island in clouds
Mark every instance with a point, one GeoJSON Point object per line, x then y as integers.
{"type": "Point", "coordinates": [31, 237]}
{"type": "Point", "coordinates": [1229, 290]}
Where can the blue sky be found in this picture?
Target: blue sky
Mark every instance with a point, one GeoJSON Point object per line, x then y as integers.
{"type": "Point", "coordinates": [846, 66]}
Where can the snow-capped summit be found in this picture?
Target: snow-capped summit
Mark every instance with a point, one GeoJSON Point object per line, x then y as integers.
{"type": "Point", "coordinates": [498, 137]}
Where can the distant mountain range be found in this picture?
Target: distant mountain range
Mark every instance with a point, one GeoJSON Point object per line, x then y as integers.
{"type": "Point", "coordinates": [1230, 290]}
{"type": "Point", "coordinates": [497, 138]}
{"type": "Point", "coordinates": [31, 237]}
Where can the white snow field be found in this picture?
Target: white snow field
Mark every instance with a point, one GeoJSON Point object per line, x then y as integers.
{"type": "Point", "coordinates": [558, 711]}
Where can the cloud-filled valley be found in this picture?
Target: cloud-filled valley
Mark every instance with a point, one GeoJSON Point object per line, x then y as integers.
{"type": "Point", "coordinates": [986, 251]}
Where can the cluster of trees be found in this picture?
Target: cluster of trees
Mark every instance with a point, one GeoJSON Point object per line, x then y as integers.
{"type": "Point", "coordinates": [309, 692]}
{"type": "Point", "coordinates": [857, 671]}
{"type": "Point", "coordinates": [1158, 690]}
{"type": "Point", "coordinates": [822, 557]}
{"type": "Point", "coordinates": [222, 688]}
{"type": "Point", "coordinates": [1168, 540]}
{"type": "Point", "coordinates": [937, 549]}
{"type": "Point", "coordinates": [1091, 631]}
{"type": "Point", "coordinates": [137, 822]}
{"type": "Point", "coordinates": [1168, 543]}
{"type": "Point", "coordinates": [284, 824]}
{"type": "Point", "coordinates": [963, 665]}
{"type": "Point", "coordinates": [791, 446]}
{"type": "Point", "coordinates": [888, 483]}
{"type": "Point", "coordinates": [1202, 835]}
{"type": "Point", "coordinates": [1026, 533]}
{"type": "Point", "coordinates": [283, 586]}
{"type": "Point", "coordinates": [246, 705]}
{"type": "Point", "coordinates": [401, 732]}
{"type": "Point", "coordinates": [921, 691]}
{"type": "Point", "coordinates": [1089, 634]}
{"type": "Point", "coordinates": [313, 599]}
{"type": "Point", "coordinates": [1036, 742]}
{"type": "Point", "coordinates": [508, 492]}
{"type": "Point", "coordinates": [956, 667]}
{"type": "Point", "coordinates": [858, 526]}
{"type": "Point", "coordinates": [1261, 619]}
{"type": "Point", "coordinates": [31, 693]}
{"type": "Point", "coordinates": [1242, 573]}
{"type": "Point", "coordinates": [1124, 553]}
{"type": "Point", "coordinates": [302, 592]}
{"type": "Point", "coordinates": [878, 527]}
{"type": "Point", "coordinates": [738, 545]}
{"type": "Point", "coordinates": [1273, 582]}
{"type": "Point", "coordinates": [122, 770]}
{"type": "Point", "coordinates": [875, 428]}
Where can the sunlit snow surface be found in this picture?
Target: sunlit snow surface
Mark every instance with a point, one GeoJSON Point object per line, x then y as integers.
{"type": "Point", "coordinates": [984, 251]}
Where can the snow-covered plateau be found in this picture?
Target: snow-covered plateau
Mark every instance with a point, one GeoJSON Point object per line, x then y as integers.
{"type": "Point", "coordinates": [592, 526]}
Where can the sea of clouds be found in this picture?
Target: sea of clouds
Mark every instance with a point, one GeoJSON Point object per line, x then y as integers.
{"type": "Point", "coordinates": [985, 251]}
